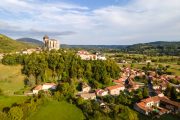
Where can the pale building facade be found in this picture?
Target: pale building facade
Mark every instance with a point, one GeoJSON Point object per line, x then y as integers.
{"type": "Point", "coordinates": [50, 44]}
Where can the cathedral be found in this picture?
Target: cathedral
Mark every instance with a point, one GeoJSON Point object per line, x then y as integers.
{"type": "Point", "coordinates": [50, 44]}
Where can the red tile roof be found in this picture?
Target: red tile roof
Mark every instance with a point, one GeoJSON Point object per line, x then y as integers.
{"type": "Point", "coordinates": [39, 87]}
{"type": "Point", "coordinates": [115, 87]}
{"type": "Point", "coordinates": [99, 91]}
{"type": "Point", "coordinates": [150, 99]}
{"type": "Point", "coordinates": [177, 104]}
{"type": "Point", "coordinates": [143, 102]}
{"type": "Point", "coordinates": [142, 106]}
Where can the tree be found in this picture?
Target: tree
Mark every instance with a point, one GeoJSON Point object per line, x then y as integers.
{"type": "Point", "coordinates": [15, 113]}
{"type": "Point", "coordinates": [145, 92]}
{"type": "Point", "coordinates": [139, 95]}
{"type": "Point", "coordinates": [9, 60]}
{"type": "Point", "coordinates": [88, 71]}
{"type": "Point", "coordinates": [66, 89]}
{"type": "Point", "coordinates": [168, 91]}
{"type": "Point", "coordinates": [173, 93]}
{"type": "Point", "coordinates": [3, 116]}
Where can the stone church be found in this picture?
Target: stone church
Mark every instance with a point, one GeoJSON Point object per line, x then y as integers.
{"type": "Point", "coordinates": [50, 44]}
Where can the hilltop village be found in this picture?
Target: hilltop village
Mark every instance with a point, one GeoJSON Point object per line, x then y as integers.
{"type": "Point", "coordinates": [97, 80]}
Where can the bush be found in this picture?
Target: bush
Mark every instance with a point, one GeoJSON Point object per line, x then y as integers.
{"type": "Point", "coordinates": [15, 113]}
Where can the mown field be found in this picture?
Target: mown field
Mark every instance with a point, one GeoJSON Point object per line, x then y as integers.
{"type": "Point", "coordinates": [7, 101]}
{"type": "Point", "coordinates": [55, 110]}
{"type": "Point", "coordinates": [11, 79]}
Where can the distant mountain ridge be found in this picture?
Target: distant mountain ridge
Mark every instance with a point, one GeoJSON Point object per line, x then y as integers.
{"type": "Point", "coordinates": [94, 46]}
{"type": "Point", "coordinates": [152, 48]}
{"type": "Point", "coordinates": [8, 44]}
{"type": "Point", "coordinates": [31, 40]}
{"type": "Point", "coordinates": [155, 48]}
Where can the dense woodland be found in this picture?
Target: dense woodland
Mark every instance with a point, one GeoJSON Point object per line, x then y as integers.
{"type": "Point", "coordinates": [155, 48]}
{"type": "Point", "coordinates": [62, 66]}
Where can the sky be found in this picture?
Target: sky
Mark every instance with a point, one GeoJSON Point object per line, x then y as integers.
{"type": "Point", "coordinates": [92, 22]}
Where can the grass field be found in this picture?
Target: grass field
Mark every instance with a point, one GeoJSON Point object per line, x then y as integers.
{"type": "Point", "coordinates": [11, 79]}
{"type": "Point", "coordinates": [7, 101]}
{"type": "Point", "coordinates": [55, 110]}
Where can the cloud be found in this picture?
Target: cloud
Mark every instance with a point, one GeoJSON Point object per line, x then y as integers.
{"type": "Point", "coordinates": [137, 21]}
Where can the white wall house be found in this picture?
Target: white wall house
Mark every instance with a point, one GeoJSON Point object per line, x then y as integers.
{"type": "Point", "coordinates": [48, 86]}
{"type": "Point", "coordinates": [101, 92]}
{"type": "Point", "coordinates": [115, 90]}
{"type": "Point", "coordinates": [88, 96]}
{"type": "Point", "coordinates": [45, 87]}
{"type": "Point", "coordinates": [37, 89]}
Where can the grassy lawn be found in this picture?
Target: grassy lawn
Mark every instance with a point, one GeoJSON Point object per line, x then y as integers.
{"type": "Point", "coordinates": [7, 101]}
{"type": "Point", "coordinates": [11, 79]}
{"type": "Point", "coordinates": [55, 110]}
{"type": "Point", "coordinates": [173, 68]}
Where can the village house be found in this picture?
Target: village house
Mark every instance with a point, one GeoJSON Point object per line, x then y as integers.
{"type": "Point", "coordinates": [44, 87]}
{"type": "Point", "coordinates": [30, 51]}
{"type": "Point", "coordinates": [99, 57]}
{"type": "Point", "coordinates": [100, 92]}
{"type": "Point", "coordinates": [85, 55]}
{"type": "Point", "coordinates": [163, 86]}
{"type": "Point", "coordinates": [120, 80]}
{"type": "Point", "coordinates": [47, 86]}
{"type": "Point", "coordinates": [115, 90]}
{"type": "Point", "coordinates": [160, 105]}
{"type": "Point", "coordinates": [159, 93]}
{"type": "Point", "coordinates": [37, 89]}
{"type": "Point", "coordinates": [148, 61]}
{"type": "Point", "coordinates": [155, 87]}
{"type": "Point", "coordinates": [88, 96]}
{"type": "Point", "coordinates": [85, 87]}
{"type": "Point", "coordinates": [140, 74]}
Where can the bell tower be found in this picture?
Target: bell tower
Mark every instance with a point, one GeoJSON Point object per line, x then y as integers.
{"type": "Point", "coordinates": [46, 41]}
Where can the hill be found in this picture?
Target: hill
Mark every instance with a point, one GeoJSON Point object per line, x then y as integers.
{"type": "Point", "coordinates": [31, 41]}
{"type": "Point", "coordinates": [94, 46]}
{"type": "Point", "coordinates": [155, 48]}
{"type": "Point", "coordinates": [7, 44]}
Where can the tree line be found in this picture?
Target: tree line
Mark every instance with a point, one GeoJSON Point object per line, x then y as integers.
{"type": "Point", "coordinates": [62, 66]}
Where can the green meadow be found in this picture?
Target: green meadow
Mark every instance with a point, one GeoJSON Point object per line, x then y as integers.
{"type": "Point", "coordinates": [55, 110]}
{"type": "Point", "coordinates": [11, 79]}
{"type": "Point", "coordinates": [7, 101]}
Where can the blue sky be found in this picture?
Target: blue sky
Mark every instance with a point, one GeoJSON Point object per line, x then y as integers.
{"type": "Point", "coordinates": [118, 22]}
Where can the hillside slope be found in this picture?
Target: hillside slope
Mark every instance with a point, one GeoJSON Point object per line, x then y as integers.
{"type": "Point", "coordinates": [31, 41]}
{"type": "Point", "coordinates": [9, 45]}
{"type": "Point", "coordinates": [155, 48]}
